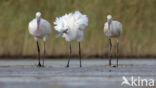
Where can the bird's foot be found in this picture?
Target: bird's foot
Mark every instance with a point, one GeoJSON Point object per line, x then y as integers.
{"type": "Point", "coordinates": [39, 65]}
{"type": "Point", "coordinates": [67, 66]}
{"type": "Point", "coordinates": [42, 66]}
{"type": "Point", "coordinates": [113, 66]}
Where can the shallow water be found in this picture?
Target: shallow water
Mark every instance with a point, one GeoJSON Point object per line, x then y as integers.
{"type": "Point", "coordinates": [93, 74]}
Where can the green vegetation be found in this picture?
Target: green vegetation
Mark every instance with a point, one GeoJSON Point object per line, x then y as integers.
{"type": "Point", "coordinates": [137, 16]}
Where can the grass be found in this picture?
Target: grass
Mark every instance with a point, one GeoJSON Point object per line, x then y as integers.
{"type": "Point", "coordinates": [138, 19]}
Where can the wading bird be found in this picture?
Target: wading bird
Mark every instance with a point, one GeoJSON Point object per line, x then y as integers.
{"type": "Point", "coordinates": [112, 29]}
{"type": "Point", "coordinates": [71, 27]}
{"type": "Point", "coordinates": [40, 28]}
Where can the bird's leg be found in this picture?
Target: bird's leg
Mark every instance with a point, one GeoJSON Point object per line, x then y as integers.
{"type": "Point", "coordinates": [117, 50]}
{"type": "Point", "coordinates": [110, 47]}
{"type": "Point", "coordinates": [44, 53]}
{"type": "Point", "coordinates": [39, 64]}
{"type": "Point", "coordinates": [80, 54]}
{"type": "Point", "coordinates": [69, 54]}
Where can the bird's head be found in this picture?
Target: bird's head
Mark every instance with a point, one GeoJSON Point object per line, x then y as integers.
{"type": "Point", "coordinates": [109, 18]}
{"type": "Point", "coordinates": [64, 31]}
{"type": "Point", "coordinates": [38, 14]}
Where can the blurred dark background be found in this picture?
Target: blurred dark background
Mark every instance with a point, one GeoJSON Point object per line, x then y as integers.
{"type": "Point", "coordinates": [137, 16]}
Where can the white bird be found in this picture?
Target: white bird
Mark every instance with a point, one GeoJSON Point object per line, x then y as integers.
{"type": "Point", "coordinates": [71, 27]}
{"type": "Point", "coordinates": [39, 28]}
{"type": "Point", "coordinates": [112, 29]}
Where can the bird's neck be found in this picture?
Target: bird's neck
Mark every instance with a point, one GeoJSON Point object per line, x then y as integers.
{"type": "Point", "coordinates": [38, 28]}
{"type": "Point", "coordinates": [109, 29]}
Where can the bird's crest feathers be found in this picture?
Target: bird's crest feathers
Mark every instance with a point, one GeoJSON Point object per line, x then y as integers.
{"type": "Point", "coordinates": [73, 21]}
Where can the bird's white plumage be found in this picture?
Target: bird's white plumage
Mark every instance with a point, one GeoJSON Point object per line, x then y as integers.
{"type": "Point", "coordinates": [75, 22]}
{"type": "Point", "coordinates": [115, 27]}
{"type": "Point", "coordinates": [44, 27]}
